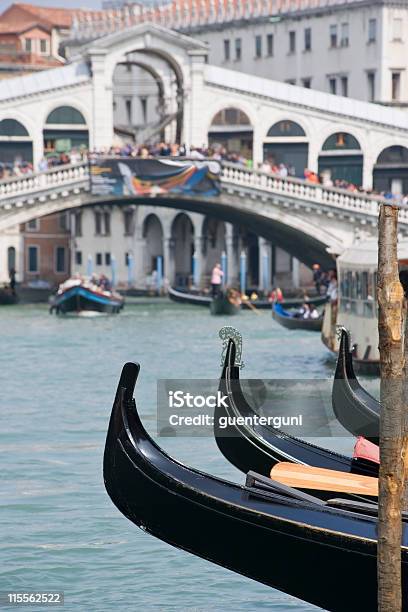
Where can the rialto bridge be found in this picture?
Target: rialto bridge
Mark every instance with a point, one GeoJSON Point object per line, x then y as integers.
{"type": "Point", "coordinates": [308, 220]}
{"type": "Point", "coordinates": [201, 104]}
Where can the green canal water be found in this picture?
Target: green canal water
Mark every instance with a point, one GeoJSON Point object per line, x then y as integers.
{"type": "Point", "coordinates": [58, 528]}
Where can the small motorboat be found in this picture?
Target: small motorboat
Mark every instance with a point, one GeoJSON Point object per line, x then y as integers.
{"type": "Point", "coordinates": [265, 530]}
{"type": "Point", "coordinates": [252, 446]}
{"type": "Point", "coordinates": [353, 406]}
{"type": "Point", "coordinates": [84, 298]}
{"type": "Point", "coordinates": [290, 320]}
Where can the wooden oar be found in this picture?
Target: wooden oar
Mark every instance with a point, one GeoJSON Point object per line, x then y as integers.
{"type": "Point", "coordinates": [248, 303]}
{"type": "Point", "coordinates": [307, 477]}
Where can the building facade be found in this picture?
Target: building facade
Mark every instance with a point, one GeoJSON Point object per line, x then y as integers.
{"type": "Point", "coordinates": [39, 251]}
{"type": "Point", "coordinates": [126, 242]}
{"type": "Point", "coordinates": [355, 49]}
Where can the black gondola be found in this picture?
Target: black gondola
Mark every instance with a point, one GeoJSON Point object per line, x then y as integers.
{"type": "Point", "coordinates": [259, 447]}
{"type": "Point", "coordinates": [290, 321]}
{"type": "Point", "coordinates": [353, 406]}
{"type": "Point", "coordinates": [8, 297]}
{"type": "Point", "coordinates": [185, 297]}
{"type": "Point", "coordinates": [224, 304]}
{"type": "Point", "coordinates": [196, 299]}
{"type": "Point", "coordinates": [219, 305]}
{"type": "Point", "coordinates": [269, 532]}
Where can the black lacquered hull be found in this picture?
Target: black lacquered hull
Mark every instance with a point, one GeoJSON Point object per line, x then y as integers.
{"type": "Point", "coordinates": [183, 297]}
{"type": "Point", "coordinates": [222, 306]}
{"type": "Point", "coordinates": [7, 298]}
{"type": "Point", "coordinates": [319, 554]}
{"type": "Point", "coordinates": [297, 323]}
{"type": "Point", "coordinates": [353, 406]}
{"type": "Point", "coordinates": [260, 447]}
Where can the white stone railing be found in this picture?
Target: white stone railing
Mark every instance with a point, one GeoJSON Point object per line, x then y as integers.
{"type": "Point", "coordinates": [31, 184]}
{"type": "Point", "coordinates": [306, 192]}
{"type": "Point", "coordinates": [232, 174]}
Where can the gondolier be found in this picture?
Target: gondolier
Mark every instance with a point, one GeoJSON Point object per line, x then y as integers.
{"type": "Point", "coordinates": [216, 279]}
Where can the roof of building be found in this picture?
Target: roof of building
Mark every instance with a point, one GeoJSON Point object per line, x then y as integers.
{"type": "Point", "coordinates": [300, 96]}
{"type": "Point", "coordinates": [72, 74]}
{"type": "Point", "coordinates": [20, 13]}
{"type": "Point", "coordinates": [19, 28]}
{"type": "Point", "coordinates": [364, 254]}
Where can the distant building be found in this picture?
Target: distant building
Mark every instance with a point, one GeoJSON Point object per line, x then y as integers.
{"type": "Point", "coordinates": [45, 250]}
{"type": "Point", "coordinates": [31, 37]}
{"type": "Point", "coordinates": [351, 48]}
{"type": "Point", "coordinates": [39, 251]}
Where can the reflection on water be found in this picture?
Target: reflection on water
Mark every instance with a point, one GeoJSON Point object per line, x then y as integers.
{"type": "Point", "coordinates": [58, 377]}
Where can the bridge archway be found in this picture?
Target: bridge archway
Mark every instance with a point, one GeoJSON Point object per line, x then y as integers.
{"type": "Point", "coordinates": [232, 129]}
{"type": "Point", "coordinates": [153, 234]}
{"type": "Point", "coordinates": [172, 49]}
{"type": "Point", "coordinates": [15, 141]}
{"type": "Point", "coordinates": [182, 236]}
{"type": "Point", "coordinates": [65, 129]}
{"type": "Point", "coordinates": [214, 242]}
{"type": "Point", "coordinates": [286, 143]}
{"type": "Point", "coordinates": [391, 170]}
{"type": "Point", "coordinates": [341, 159]}
{"type": "Point", "coordinates": [127, 118]}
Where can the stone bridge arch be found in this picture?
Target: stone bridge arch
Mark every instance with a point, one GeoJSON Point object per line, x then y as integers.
{"type": "Point", "coordinates": [306, 237]}
{"type": "Point", "coordinates": [175, 50]}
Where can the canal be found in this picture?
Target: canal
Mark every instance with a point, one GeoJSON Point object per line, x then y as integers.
{"type": "Point", "coordinates": [60, 530]}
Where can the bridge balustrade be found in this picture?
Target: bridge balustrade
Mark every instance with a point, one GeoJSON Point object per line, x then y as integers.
{"type": "Point", "coordinates": [303, 192]}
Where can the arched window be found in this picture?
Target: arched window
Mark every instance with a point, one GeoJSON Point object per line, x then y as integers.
{"type": "Point", "coordinates": [65, 129]}
{"type": "Point", "coordinates": [66, 115]}
{"type": "Point", "coordinates": [11, 127]}
{"type": "Point", "coordinates": [341, 141]}
{"type": "Point", "coordinates": [285, 128]}
{"type": "Point", "coordinates": [393, 155]}
{"type": "Point", "coordinates": [231, 116]}
{"type": "Point", "coordinates": [11, 258]}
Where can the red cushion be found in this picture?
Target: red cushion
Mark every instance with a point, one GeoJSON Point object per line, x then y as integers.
{"type": "Point", "coordinates": [364, 449]}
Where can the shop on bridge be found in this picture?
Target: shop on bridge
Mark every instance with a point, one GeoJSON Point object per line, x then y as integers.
{"type": "Point", "coordinates": [286, 143]}
{"type": "Point", "coordinates": [15, 142]}
{"type": "Point", "coordinates": [341, 158]}
{"type": "Point", "coordinates": [65, 129]}
{"type": "Point", "coordinates": [232, 129]}
{"type": "Point", "coordinates": [391, 170]}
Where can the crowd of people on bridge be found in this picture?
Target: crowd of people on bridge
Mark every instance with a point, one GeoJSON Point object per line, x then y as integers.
{"type": "Point", "coordinates": [21, 167]}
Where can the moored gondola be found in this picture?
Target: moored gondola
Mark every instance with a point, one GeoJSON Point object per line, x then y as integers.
{"type": "Point", "coordinates": [8, 297]}
{"type": "Point", "coordinates": [291, 321]}
{"type": "Point", "coordinates": [253, 446]}
{"type": "Point", "coordinates": [353, 406]}
{"type": "Point", "coordinates": [266, 531]}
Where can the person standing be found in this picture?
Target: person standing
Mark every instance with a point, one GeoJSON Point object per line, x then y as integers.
{"type": "Point", "coordinates": [12, 275]}
{"type": "Point", "coordinates": [216, 279]}
{"type": "Point", "coordinates": [317, 277]}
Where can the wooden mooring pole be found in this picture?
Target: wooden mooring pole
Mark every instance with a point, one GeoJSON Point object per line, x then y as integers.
{"type": "Point", "coordinates": [391, 324]}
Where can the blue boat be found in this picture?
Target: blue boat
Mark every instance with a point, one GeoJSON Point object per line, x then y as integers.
{"type": "Point", "coordinates": [80, 299]}
{"type": "Point", "coordinates": [291, 321]}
